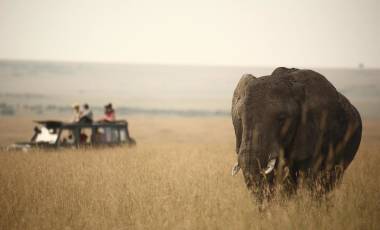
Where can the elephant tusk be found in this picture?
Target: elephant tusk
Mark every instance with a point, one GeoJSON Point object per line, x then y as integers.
{"type": "Point", "coordinates": [235, 169]}
{"type": "Point", "coordinates": [270, 166]}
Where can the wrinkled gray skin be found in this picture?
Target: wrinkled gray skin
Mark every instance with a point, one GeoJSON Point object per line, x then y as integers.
{"type": "Point", "coordinates": [298, 118]}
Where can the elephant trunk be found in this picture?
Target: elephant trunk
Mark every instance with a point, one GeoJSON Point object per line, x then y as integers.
{"type": "Point", "coordinates": [257, 157]}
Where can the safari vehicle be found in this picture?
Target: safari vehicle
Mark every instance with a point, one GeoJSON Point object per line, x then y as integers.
{"type": "Point", "coordinates": [56, 134]}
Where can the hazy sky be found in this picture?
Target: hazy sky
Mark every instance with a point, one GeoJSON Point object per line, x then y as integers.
{"type": "Point", "coordinates": [319, 33]}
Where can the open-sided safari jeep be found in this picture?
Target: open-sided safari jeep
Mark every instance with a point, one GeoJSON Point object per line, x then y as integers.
{"type": "Point", "coordinates": [55, 134]}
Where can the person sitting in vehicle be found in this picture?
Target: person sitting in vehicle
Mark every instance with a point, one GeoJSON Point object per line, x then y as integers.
{"type": "Point", "coordinates": [86, 116]}
{"type": "Point", "coordinates": [109, 116]}
{"type": "Point", "coordinates": [109, 113]}
{"type": "Point", "coordinates": [77, 113]}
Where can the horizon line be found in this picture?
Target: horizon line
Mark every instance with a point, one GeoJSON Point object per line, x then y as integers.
{"type": "Point", "coordinates": [181, 64]}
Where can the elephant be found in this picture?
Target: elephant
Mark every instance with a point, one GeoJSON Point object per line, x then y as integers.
{"type": "Point", "coordinates": [290, 125]}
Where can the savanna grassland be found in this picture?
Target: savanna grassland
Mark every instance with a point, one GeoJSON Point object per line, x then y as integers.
{"type": "Point", "coordinates": [177, 177]}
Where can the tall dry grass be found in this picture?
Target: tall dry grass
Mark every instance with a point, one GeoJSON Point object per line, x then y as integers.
{"type": "Point", "coordinates": [178, 177]}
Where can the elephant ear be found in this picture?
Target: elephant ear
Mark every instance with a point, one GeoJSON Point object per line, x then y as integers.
{"type": "Point", "coordinates": [239, 93]}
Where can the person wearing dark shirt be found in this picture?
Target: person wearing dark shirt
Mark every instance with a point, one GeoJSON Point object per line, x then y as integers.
{"type": "Point", "coordinates": [86, 115]}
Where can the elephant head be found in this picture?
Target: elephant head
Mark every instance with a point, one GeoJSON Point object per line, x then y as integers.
{"type": "Point", "coordinates": [266, 113]}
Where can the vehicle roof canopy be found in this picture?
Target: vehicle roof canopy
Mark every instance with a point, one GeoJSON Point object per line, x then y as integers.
{"type": "Point", "coordinates": [54, 124]}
